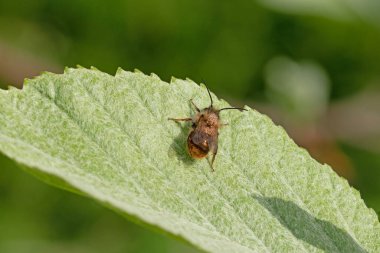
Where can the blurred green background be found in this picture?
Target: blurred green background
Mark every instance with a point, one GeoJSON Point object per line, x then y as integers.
{"type": "Point", "coordinates": [313, 66]}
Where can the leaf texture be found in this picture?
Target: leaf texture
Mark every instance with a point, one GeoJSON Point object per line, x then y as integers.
{"type": "Point", "coordinates": [109, 138]}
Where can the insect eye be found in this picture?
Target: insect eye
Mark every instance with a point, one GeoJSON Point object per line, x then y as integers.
{"type": "Point", "coordinates": [194, 125]}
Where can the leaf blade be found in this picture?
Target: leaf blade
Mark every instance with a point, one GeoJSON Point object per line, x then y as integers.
{"type": "Point", "coordinates": [109, 138]}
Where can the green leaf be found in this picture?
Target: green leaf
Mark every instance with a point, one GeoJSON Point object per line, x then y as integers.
{"type": "Point", "coordinates": [108, 137]}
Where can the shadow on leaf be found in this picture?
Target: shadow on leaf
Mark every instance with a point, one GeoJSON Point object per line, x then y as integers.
{"type": "Point", "coordinates": [319, 233]}
{"type": "Point", "coordinates": [179, 144]}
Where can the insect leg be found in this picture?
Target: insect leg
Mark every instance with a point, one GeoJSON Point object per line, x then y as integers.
{"type": "Point", "coordinates": [195, 107]}
{"type": "Point", "coordinates": [214, 150]}
{"type": "Point", "coordinates": [181, 119]}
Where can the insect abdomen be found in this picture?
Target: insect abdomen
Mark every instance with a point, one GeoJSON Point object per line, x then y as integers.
{"type": "Point", "coordinates": [197, 151]}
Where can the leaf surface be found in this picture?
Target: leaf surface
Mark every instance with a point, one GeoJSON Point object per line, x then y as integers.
{"type": "Point", "coordinates": [108, 137]}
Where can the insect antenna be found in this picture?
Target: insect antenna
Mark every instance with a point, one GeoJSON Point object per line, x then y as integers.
{"type": "Point", "coordinates": [210, 96]}
{"type": "Point", "coordinates": [233, 108]}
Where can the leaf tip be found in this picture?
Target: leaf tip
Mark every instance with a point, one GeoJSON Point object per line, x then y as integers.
{"type": "Point", "coordinates": [248, 108]}
{"type": "Point", "coordinates": [66, 70]}
{"type": "Point", "coordinates": [119, 71]}
{"type": "Point", "coordinates": [80, 66]}
{"type": "Point", "coordinates": [202, 85]}
{"type": "Point", "coordinates": [69, 70]}
{"type": "Point", "coordinates": [190, 80]}
{"type": "Point", "coordinates": [11, 88]}
{"type": "Point", "coordinates": [27, 81]}
{"type": "Point", "coordinates": [173, 79]}
{"type": "Point", "coordinates": [153, 75]}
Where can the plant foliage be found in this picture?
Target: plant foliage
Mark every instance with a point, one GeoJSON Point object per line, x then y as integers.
{"type": "Point", "coordinates": [108, 138]}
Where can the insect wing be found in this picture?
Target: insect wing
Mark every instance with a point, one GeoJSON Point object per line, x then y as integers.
{"type": "Point", "coordinates": [200, 140]}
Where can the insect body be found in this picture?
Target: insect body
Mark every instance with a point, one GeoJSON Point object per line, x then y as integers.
{"type": "Point", "coordinates": [203, 137]}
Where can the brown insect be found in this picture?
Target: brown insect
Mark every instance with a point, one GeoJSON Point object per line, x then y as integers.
{"type": "Point", "coordinates": [203, 137]}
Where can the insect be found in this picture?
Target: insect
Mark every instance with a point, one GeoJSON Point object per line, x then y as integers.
{"type": "Point", "coordinates": [203, 136]}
